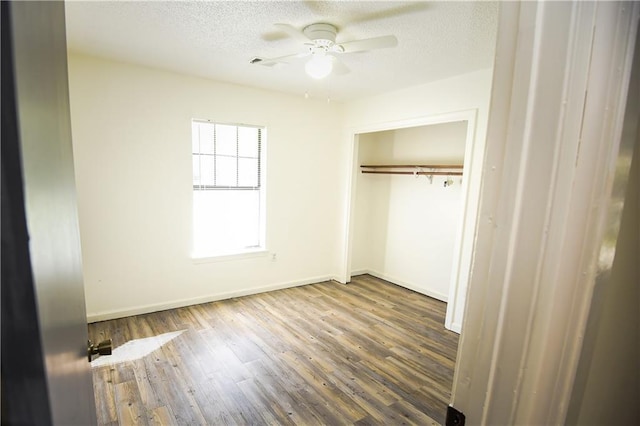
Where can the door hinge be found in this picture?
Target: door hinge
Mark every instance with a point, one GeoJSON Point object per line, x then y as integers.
{"type": "Point", "coordinates": [454, 417]}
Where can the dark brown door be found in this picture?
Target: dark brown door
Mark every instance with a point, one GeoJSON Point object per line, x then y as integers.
{"type": "Point", "coordinates": [44, 331]}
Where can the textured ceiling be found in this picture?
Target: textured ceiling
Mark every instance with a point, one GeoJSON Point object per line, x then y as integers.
{"type": "Point", "coordinates": [216, 39]}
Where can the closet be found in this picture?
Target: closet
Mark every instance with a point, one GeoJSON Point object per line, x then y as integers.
{"type": "Point", "coordinates": [408, 205]}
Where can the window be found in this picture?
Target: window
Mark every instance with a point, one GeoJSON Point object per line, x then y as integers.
{"type": "Point", "coordinates": [228, 196]}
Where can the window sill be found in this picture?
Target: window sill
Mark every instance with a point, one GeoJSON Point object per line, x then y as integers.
{"type": "Point", "coordinates": [198, 258]}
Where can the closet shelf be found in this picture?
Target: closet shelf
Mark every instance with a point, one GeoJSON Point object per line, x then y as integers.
{"type": "Point", "coordinates": [414, 169]}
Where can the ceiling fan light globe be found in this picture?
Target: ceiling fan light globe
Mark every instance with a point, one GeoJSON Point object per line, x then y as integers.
{"type": "Point", "coordinates": [319, 67]}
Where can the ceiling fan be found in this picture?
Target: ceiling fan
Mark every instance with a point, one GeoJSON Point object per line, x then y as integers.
{"type": "Point", "coordinates": [320, 45]}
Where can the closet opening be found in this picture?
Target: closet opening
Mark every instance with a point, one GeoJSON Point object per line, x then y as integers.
{"type": "Point", "coordinates": [413, 206]}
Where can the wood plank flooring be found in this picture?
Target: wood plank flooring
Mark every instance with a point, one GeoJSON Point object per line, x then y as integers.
{"type": "Point", "coordinates": [369, 352]}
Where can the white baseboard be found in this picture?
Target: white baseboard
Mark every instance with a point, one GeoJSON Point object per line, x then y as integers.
{"type": "Point", "coordinates": [410, 286]}
{"type": "Point", "coordinates": [155, 307]}
{"type": "Point", "coordinates": [360, 272]}
{"type": "Point", "coordinates": [455, 327]}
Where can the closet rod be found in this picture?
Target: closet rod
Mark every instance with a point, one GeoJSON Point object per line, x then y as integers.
{"type": "Point", "coordinates": [413, 173]}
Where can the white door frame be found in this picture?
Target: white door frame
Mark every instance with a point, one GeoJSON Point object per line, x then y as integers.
{"type": "Point", "coordinates": [461, 263]}
{"type": "Point", "coordinates": [559, 92]}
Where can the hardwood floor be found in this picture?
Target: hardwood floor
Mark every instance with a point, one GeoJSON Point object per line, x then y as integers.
{"type": "Point", "coordinates": [365, 353]}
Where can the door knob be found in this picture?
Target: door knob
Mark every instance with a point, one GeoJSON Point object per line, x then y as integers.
{"type": "Point", "coordinates": [102, 348]}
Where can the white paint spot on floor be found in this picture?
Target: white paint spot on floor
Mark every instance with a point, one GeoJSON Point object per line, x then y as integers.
{"type": "Point", "coordinates": [135, 349]}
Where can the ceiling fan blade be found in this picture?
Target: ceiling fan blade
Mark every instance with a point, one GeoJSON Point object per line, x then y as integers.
{"type": "Point", "coordinates": [377, 15]}
{"type": "Point", "coordinates": [269, 62]}
{"type": "Point", "coordinates": [293, 32]}
{"type": "Point", "coordinates": [369, 44]}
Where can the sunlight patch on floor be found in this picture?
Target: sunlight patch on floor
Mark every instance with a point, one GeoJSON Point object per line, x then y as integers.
{"type": "Point", "coordinates": [135, 349]}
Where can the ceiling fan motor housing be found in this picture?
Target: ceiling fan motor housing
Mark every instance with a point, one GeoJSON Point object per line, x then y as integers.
{"type": "Point", "coordinates": [322, 35]}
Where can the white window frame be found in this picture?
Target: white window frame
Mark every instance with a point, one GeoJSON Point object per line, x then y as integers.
{"type": "Point", "coordinates": [231, 253]}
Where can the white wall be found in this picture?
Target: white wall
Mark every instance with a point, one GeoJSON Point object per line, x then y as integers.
{"type": "Point", "coordinates": [405, 228]}
{"type": "Point", "coordinates": [419, 104]}
{"type": "Point", "coordinates": [131, 133]}
{"type": "Point", "coordinates": [131, 128]}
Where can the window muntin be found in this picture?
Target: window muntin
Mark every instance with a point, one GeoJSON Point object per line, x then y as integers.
{"type": "Point", "coordinates": [226, 156]}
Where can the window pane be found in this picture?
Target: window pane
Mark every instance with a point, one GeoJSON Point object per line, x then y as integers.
{"type": "Point", "coordinates": [226, 220]}
{"type": "Point", "coordinates": [205, 138]}
{"type": "Point", "coordinates": [247, 172]}
{"type": "Point", "coordinates": [225, 140]}
{"type": "Point", "coordinates": [196, 170]}
{"type": "Point", "coordinates": [226, 172]}
{"type": "Point", "coordinates": [195, 137]}
{"type": "Point", "coordinates": [206, 169]}
{"type": "Point", "coordinates": [248, 142]}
